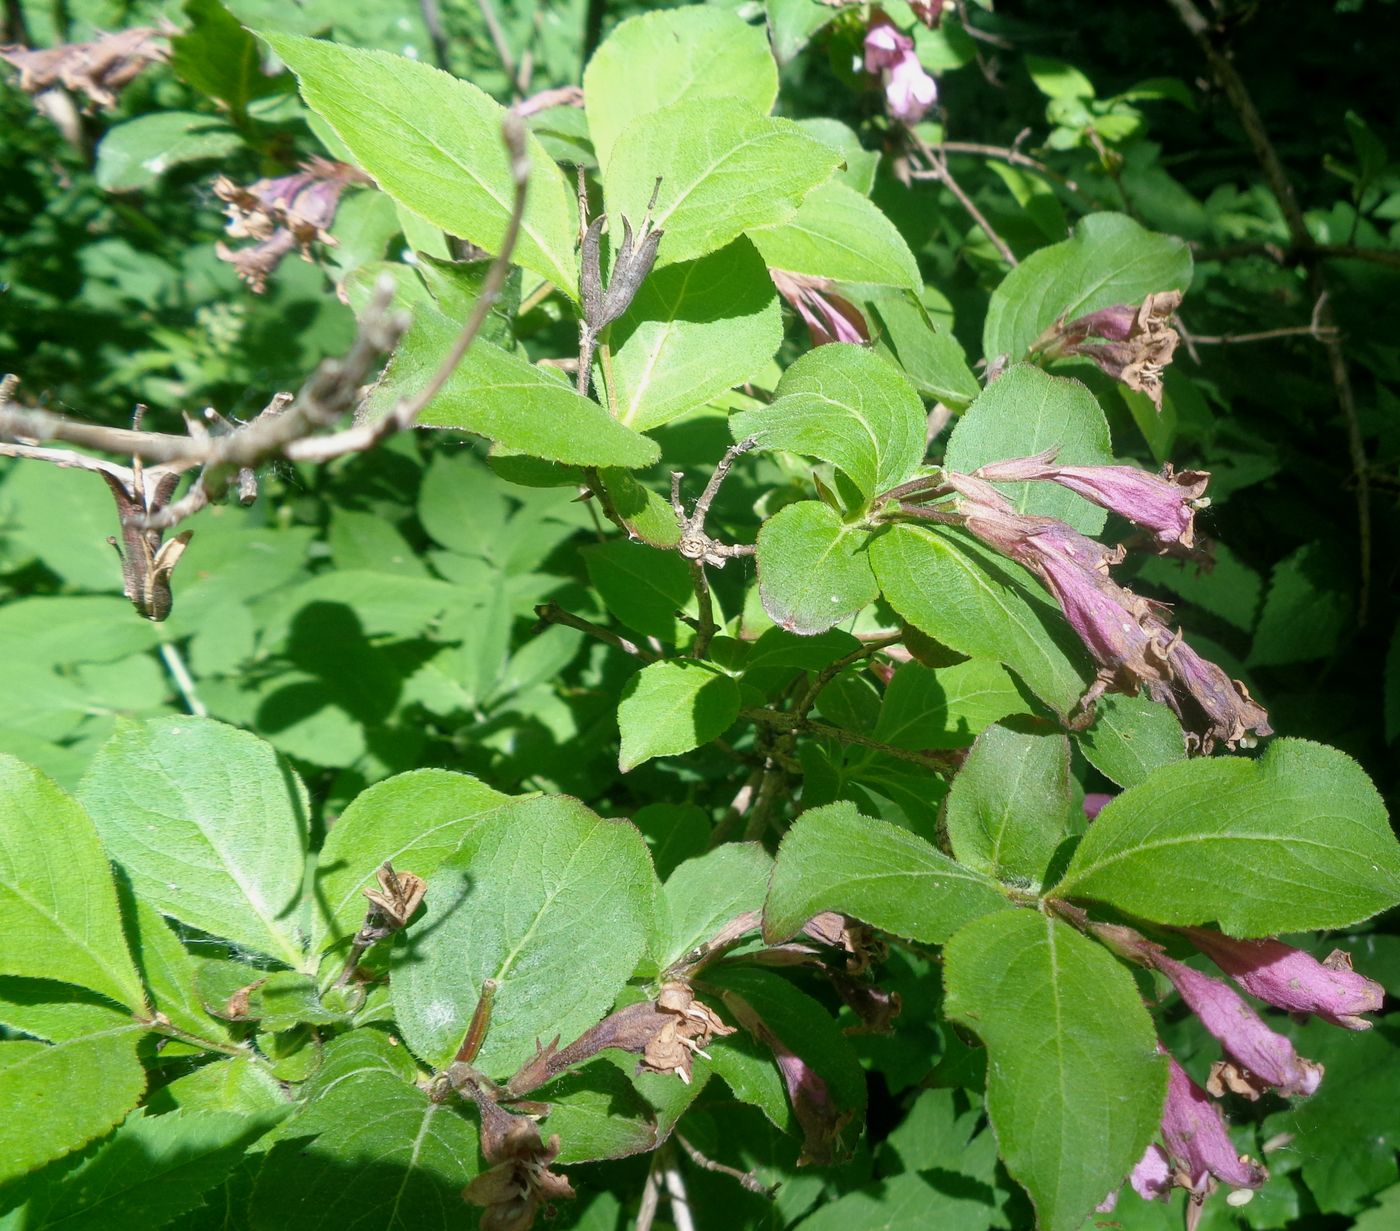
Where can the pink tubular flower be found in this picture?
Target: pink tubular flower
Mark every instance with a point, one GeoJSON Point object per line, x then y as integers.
{"type": "Point", "coordinates": [829, 317]}
{"type": "Point", "coordinates": [909, 90]}
{"type": "Point", "coordinates": [1194, 1133]}
{"type": "Point", "coordinates": [1260, 1057]}
{"type": "Point", "coordinates": [1288, 978]}
{"type": "Point", "coordinates": [1095, 802]}
{"type": "Point", "coordinates": [1210, 704]}
{"type": "Point", "coordinates": [1151, 1178]}
{"type": "Point", "coordinates": [1165, 504]}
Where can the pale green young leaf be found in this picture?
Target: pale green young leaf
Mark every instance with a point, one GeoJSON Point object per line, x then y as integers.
{"type": "Point", "coordinates": [1294, 841]}
{"type": "Point", "coordinates": [413, 820]}
{"type": "Point", "coordinates": [1109, 260]}
{"type": "Point", "coordinates": [59, 1096]}
{"type": "Point", "coordinates": [135, 154]}
{"type": "Point", "coordinates": [548, 899]}
{"type": "Point", "coordinates": [982, 604]}
{"type": "Point", "coordinates": [668, 708]}
{"type": "Point", "coordinates": [837, 233]}
{"type": "Point", "coordinates": [58, 905]}
{"type": "Point", "coordinates": [151, 1170]}
{"type": "Point", "coordinates": [813, 570]}
{"type": "Point", "coordinates": [1130, 737]}
{"type": "Point", "coordinates": [694, 330]}
{"type": "Point", "coordinates": [1010, 805]}
{"type": "Point", "coordinates": [433, 143]}
{"type": "Point", "coordinates": [705, 893]}
{"type": "Point", "coordinates": [947, 708]}
{"type": "Point", "coordinates": [833, 858]}
{"type": "Point", "coordinates": [650, 61]}
{"type": "Point", "coordinates": [1074, 1082]}
{"type": "Point", "coordinates": [505, 398]}
{"type": "Point", "coordinates": [928, 353]}
{"type": "Point", "coordinates": [209, 825]}
{"type": "Point", "coordinates": [1023, 412]}
{"type": "Point", "coordinates": [846, 406]}
{"type": "Point", "coordinates": [725, 168]}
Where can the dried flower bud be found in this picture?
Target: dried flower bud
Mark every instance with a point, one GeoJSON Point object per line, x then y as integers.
{"type": "Point", "coordinates": [857, 939]}
{"type": "Point", "coordinates": [631, 265]}
{"type": "Point", "coordinates": [1212, 707]}
{"type": "Point", "coordinates": [398, 896]}
{"type": "Point", "coordinates": [1288, 978]}
{"type": "Point", "coordinates": [829, 317]}
{"type": "Point", "coordinates": [520, 1182]}
{"type": "Point", "coordinates": [687, 1026]}
{"type": "Point", "coordinates": [98, 69]}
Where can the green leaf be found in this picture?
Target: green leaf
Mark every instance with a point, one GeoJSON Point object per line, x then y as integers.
{"type": "Point", "coordinates": [383, 1155]}
{"type": "Point", "coordinates": [695, 54]}
{"type": "Point", "coordinates": [642, 587]}
{"type": "Point", "coordinates": [58, 905]}
{"type": "Point", "coordinates": [505, 398]}
{"type": "Point", "coordinates": [1342, 1166]}
{"type": "Point", "coordinates": [694, 331]}
{"type": "Point", "coordinates": [137, 153]}
{"type": "Point", "coordinates": [1130, 737]}
{"type": "Point", "coordinates": [548, 899]}
{"type": "Point", "coordinates": [151, 1170]}
{"type": "Point", "coordinates": [231, 824]}
{"type": "Point", "coordinates": [1109, 260]}
{"type": "Point", "coordinates": [837, 233]}
{"type": "Point", "coordinates": [219, 58]}
{"type": "Point", "coordinates": [598, 1114]}
{"type": "Point", "coordinates": [835, 859]}
{"type": "Point", "coordinates": [1292, 842]}
{"type": "Point", "coordinates": [846, 406]}
{"type": "Point", "coordinates": [861, 164]}
{"type": "Point", "coordinates": [928, 354]}
{"type": "Point", "coordinates": [1009, 806]}
{"type": "Point", "coordinates": [413, 820]}
{"type": "Point", "coordinates": [170, 971]}
{"type": "Point", "coordinates": [1023, 412]}
{"type": "Point", "coordinates": [909, 1202]}
{"type": "Point", "coordinates": [725, 168]}
{"type": "Point", "coordinates": [1308, 610]}
{"type": "Point", "coordinates": [671, 707]}
{"type": "Point", "coordinates": [981, 604]}
{"type": "Point", "coordinates": [60, 1096]}
{"type": "Point", "coordinates": [813, 570]}
{"type": "Point", "coordinates": [705, 893]}
{"type": "Point", "coordinates": [1074, 1083]}
{"type": "Point", "coordinates": [674, 833]}
{"type": "Point", "coordinates": [947, 708]}
{"type": "Point", "coordinates": [433, 143]}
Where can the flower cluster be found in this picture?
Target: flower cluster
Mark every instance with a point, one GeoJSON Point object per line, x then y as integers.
{"type": "Point", "coordinates": [281, 214]}
{"type": "Point", "coordinates": [1195, 1152]}
{"type": "Point", "coordinates": [889, 54]}
{"type": "Point", "coordinates": [829, 317]}
{"type": "Point", "coordinates": [1126, 635]}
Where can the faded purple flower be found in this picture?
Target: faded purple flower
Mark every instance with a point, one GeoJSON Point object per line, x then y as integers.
{"type": "Point", "coordinates": [829, 317]}
{"type": "Point", "coordinates": [282, 213]}
{"type": "Point", "coordinates": [1095, 802]}
{"type": "Point", "coordinates": [909, 90]}
{"type": "Point", "coordinates": [1260, 1057]}
{"type": "Point", "coordinates": [1288, 978]}
{"type": "Point", "coordinates": [1165, 504]}
{"type": "Point", "coordinates": [1194, 1133]}
{"type": "Point", "coordinates": [1151, 1178]}
{"type": "Point", "coordinates": [98, 69]}
{"type": "Point", "coordinates": [1212, 707]}
{"type": "Point", "coordinates": [1139, 341]}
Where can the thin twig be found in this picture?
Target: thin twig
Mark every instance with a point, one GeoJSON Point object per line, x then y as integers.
{"type": "Point", "coordinates": [680, 1199]}
{"type": "Point", "coordinates": [746, 1178]}
{"type": "Point", "coordinates": [1002, 153]}
{"type": "Point", "coordinates": [175, 664]}
{"type": "Point", "coordinates": [498, 40]}
{"type": "Point", "coordinates": [1266, 335]}
{"type": "Point", "coordinates": [552, 613]}
{"type": "Point", "coordinates": [939, 166]}
{"type": "Point", "coordinates": [781, 720]}
{"type": "Point", "coordinates": [651, 1195]}
{"type": "Point", "coordinates": [1282, 187]}
{"type": "Point", "coordinates": [832, 670]}
{"type": "Point", "coordinates": [437, 33]}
